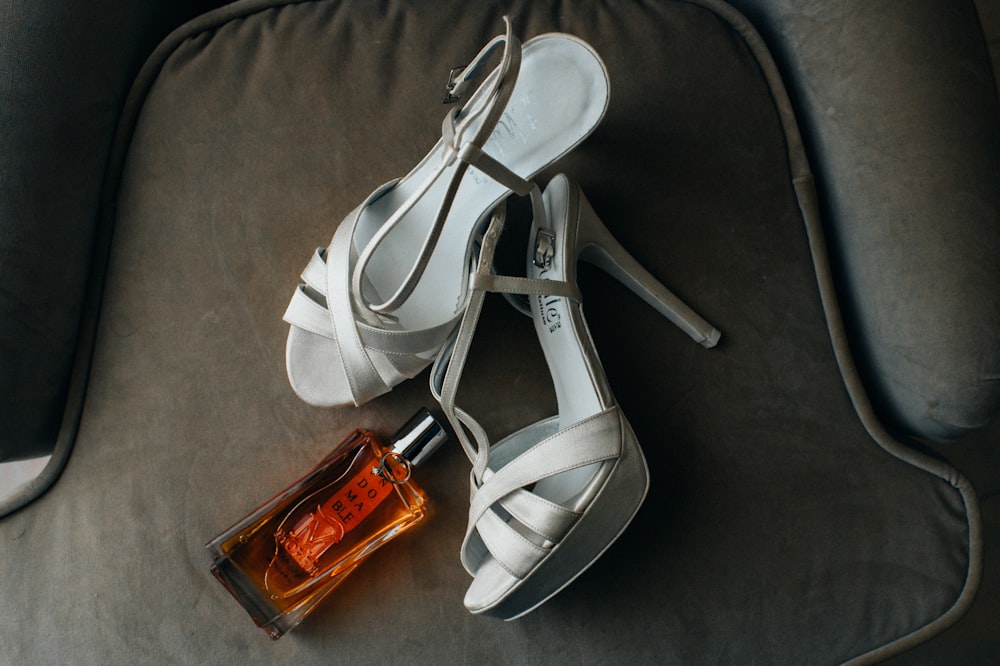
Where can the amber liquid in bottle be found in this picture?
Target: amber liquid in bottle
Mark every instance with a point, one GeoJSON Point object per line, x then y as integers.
{"type": "Point", "coordinates": [281, 560]}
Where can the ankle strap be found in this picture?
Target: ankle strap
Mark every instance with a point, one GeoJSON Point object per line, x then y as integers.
{"type": "Point", "coordinates": [505, 284]}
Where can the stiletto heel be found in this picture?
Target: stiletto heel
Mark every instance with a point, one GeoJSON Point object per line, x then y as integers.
{"type": "Point", "coordinates": [375, 307]}
{"type": "Point", "coordinates": [600, 248]}
{"type": "Point", "coordinates": [549, 499]}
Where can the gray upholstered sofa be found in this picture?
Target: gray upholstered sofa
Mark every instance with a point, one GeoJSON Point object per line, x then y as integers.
{"type": "Point", "coordinates": [821, 180]}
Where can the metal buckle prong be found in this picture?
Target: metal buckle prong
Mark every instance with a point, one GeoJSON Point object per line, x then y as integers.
{"type": "Point", "coordinates": [545, 248]}
{"type": "Point", "coordinates": [453, 91]}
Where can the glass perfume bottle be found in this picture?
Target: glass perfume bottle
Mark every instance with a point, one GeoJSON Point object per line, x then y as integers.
{"type": "Point", "coordinates": [286, 556]}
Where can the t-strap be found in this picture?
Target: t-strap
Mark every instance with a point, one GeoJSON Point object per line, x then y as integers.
{"type": "Point", "coordinates": [447, 371]}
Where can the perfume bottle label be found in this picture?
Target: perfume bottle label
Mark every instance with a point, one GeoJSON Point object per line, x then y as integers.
{"type": "Point", "coordinates": [325, 526]}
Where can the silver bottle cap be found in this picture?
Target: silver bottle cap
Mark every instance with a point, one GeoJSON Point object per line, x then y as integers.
{"type": "Point", "coordinates": [419, 437]}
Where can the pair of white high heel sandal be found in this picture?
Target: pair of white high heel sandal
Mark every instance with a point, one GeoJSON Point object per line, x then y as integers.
{"type": "Point", "coordinates": [401, 286]}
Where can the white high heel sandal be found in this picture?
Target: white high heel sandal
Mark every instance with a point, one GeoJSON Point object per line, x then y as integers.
{"type": "Point", "coordinates": [550, 498]}
{"type": "Point", "coordinates": [375, 307]}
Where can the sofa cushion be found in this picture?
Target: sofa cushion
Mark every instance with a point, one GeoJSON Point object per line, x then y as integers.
{"type": "Point", "coordinates": [783, 525]}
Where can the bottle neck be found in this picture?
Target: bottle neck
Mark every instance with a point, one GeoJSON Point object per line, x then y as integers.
{"type": "Point", "coordinates": [418, 438]}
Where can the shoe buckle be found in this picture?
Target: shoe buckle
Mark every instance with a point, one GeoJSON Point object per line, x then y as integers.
{"type": "Point", "coordinates": [453, 91]}
{"type": "Point", "coordinates": [545, 248]}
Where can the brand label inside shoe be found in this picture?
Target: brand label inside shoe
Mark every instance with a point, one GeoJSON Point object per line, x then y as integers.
{"type": "Point", "coordinates": [548, 312]}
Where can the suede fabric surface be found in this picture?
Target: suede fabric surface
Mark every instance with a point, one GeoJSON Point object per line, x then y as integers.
{"type": "Point", "coordinates": [910, 192]}
{"type": "Point", "coordinates": [781, 526]}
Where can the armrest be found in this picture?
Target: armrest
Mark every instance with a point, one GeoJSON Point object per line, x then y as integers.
{"type": "Point", "coordinates": [65, 68]}
{"type": "Point", "coordinates": [900, 114]}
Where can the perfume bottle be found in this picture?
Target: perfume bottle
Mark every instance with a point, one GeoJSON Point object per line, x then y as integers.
{"type": "Point", "coordinates": [286, 556]}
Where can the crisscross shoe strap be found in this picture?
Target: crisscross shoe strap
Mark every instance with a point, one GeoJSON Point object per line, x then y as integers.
{"type": "Point", "coordinates": [538, 524]}
{"type": "Point", "coordinates": [480, 119]}
{"type": "Point", "coordinates": [374, 356]}
{"type": "Point", "coordinates": [308, 310]}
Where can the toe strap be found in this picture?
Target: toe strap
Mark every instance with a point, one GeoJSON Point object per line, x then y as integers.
{"type": "Point", "coordinates": [547, 519]}
{"type": "Point", "coordinates": [513, 550]}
